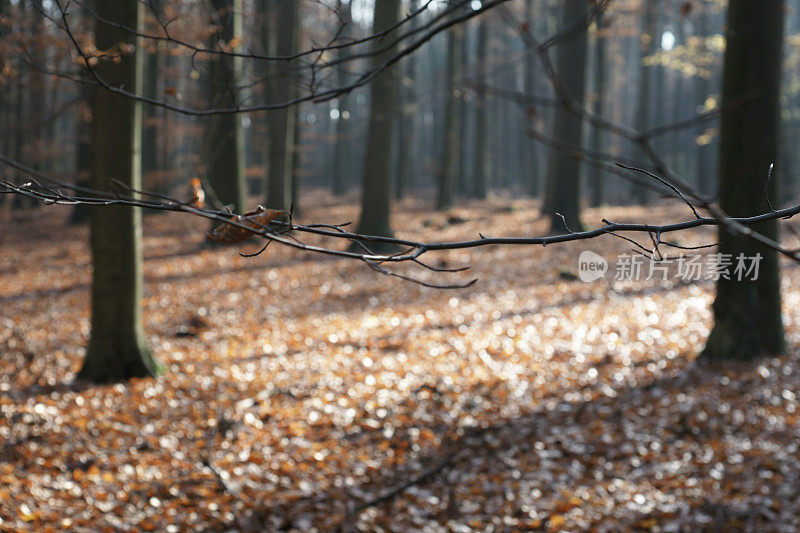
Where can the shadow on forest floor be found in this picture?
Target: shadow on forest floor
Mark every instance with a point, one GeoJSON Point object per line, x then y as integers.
{"type": "Point", "coordinates": [311, 387]}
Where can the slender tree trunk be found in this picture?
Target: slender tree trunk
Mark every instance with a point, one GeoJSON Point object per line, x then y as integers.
{"type": "Point", "coordinates": [406, 125]}
{"type": "Point", "coordinates": [660, 103]}
{"type": "Point", "coordinates": [450, 166]}
{"type": "Point", "coordinates": [480, 151]}
{"type": "Point", "coordinates": [81, 213]}
{"type": "Point", "coordinates": [376, 195]}
{"type": "Point", "coordinates": [225, 149]}
{"type": "Point", "coordinates": [747, 313]}
{"type": "Point", "coordinates": [644, 107]}
{"type": "Point", "coordinates": [680, 97]}
{"type": "Point", "coordinates": [167, 122]}
{"type": "Point", "coordinates": [402, 140]}
{"type": "Point", "coordinates": [705, 150]}
{"type": "Point", "coordinates": [5, 101]}
{"type": "Point", "coordinates": [16, 140]}
{"type": "Point", "coordinates": [405, 130]}
{"type": "Point", "coordinates": [531, 165]}
{"type": "Point", "coordinates": [464, 178]}
{"type": "Point", "coordinates": [40, 136]}
{"type": "Point", "coordinates": [297, 171]}
{"type": "Point", "coordinates": [564, 181]}
{"type": "Point", "coordinates": [117, 348]}
{"type": "Point", "coordinates": [150, 129]}
{"type": "Point", "coordinates": [282, 122]}
{"type": "Point", "coordinates": [266, 40]}
{"type": "Point", "coordinates": [341, 154]}
{"type": "Point", "coordinates": [595, 176]}
{"type": "Point", "coordinates": [790, 129]}
{"type": "Point", "coordinates": [22, 144]}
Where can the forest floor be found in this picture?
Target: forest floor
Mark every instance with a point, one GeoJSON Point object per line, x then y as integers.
{"type": "Point", "coordinates": [299, 388]}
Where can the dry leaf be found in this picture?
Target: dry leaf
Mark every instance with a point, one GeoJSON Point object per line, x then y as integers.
{"type": "Point", "coordinates": [229, 234]}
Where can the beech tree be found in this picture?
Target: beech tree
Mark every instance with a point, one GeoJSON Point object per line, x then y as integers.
{"type": "Point", "coordinates": [480, 151]}
{"type": "Point", "coordinates": [376, 195]}
{"type": "Point", "coordinates": [225, 150]}
{"type": "Point", "coordinates": [450, 166]}
{"type": "Point", "coordinates": [282, 122]}
{"type": "Point", "coordinates": [703, 88]}
{"type": "Point", "coordinates": [563, 174]}
{"type": "Point", "coordinates": [645, 103]}
{"type": "Point", "coordinates": [595, 177]}
{"type": "Point", "coordinates": [117, 348]}
{"type": "Point", "coordinates": [747, 312]}
{"type": "Point", "coordinates": [341, 168]}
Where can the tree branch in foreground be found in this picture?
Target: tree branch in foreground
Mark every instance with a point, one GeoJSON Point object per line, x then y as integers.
{"type": "Point", "coordinates": [287, 232]}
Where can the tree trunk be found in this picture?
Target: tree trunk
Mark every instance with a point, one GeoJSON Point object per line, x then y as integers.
{"type": "Point", "coordinates": [464, 177]}
{"type": "Point", "coordinates": [376, 195]}
{"type": "Point", "coordinates": [644, 104]}
{"type": "Point", "coordinates": [531, 165]}
{"type": "Point", "coordinates": [681, 96]}
{"type": "Point", "coordinates": [117, 348]}
{"type": "Point", "coordinates": [341, 154]}
{"type": "Point", "coordinates": [24, 96]}
{"type": "Point", "coordinates": [296, 159]}
{"type": "Point", "coordinates": [705, 163]}
{"type": "Point", "coordinates": [450, 166]}
{"type": "Point", "coordinates": [747, 313]}
{"type": "Point", "coordinates": [150, 129]}
{"type": "Point", "coordinates": [225, 148]}
{"type": "Point", "coordinates": [595, 176]}
{"type": "Point", "coordinates": [282, 122]}
{"type": "Point", "coordinates": [402, 140]}
{"type": "Point", "coordinates": [480, 152]}
{"type": "Point", "coordinates": [563, 177]}
{"type": "Point", "coordinates": [790, 127]}
{"type": "Point", "coordinates": [5, 107]}
{"type": "Point", "coordinates": [660, 106]}
{"type": "Point", "coordinates": [81, 213]}
{"type": "Point", "coordinates": [83, 130]}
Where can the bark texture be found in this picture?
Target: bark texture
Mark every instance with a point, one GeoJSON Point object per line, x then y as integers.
{"type": "Point", "coordinates": [747, 313]}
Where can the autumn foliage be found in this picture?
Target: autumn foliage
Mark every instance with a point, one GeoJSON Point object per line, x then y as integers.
{"type": "Point", "coordinates": [300, 388]}
{"type": "Point", "coordinates": [256, 219]}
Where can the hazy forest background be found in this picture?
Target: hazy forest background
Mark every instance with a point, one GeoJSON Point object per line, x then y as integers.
{"type": "Point", "coordinates": [409, 356]}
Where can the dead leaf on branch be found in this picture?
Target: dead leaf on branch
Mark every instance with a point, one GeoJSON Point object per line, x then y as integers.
{"type": "Point", "coordinates": [198, 195]}
{"type": "Point", "coordinates": [229, 234]}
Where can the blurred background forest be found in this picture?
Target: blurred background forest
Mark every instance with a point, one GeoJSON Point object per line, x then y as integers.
{"type": "Point", "coordinates": [482, 84]}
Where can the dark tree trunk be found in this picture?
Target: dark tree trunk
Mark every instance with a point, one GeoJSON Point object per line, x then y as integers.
{"type": "Point", "coordinates": [747, 313]}
{"type": "Point", "coordinates": [150, 130]}
{"type": "Point", "coordinates": [450, 166]}
{"type": "Point", "coordinates": [402, 140]}
{"type": "Point", "coordinates": [564, 182]}
{"type": "Point", "coordinates": [644, 104]}
{"type": "Point", "coordinates": [83, 129]}
{"type": "Point", "coordinates": [225, 148]}
{"type": "Point", "coordinates": [464, 177]}
{"type": "Point", "coordinates": [297, 171]}
{"type": "Point", "coordinates": [531, 165]}
{"type": "Point", "coordinates": [117, 348]}
{"type": "Point", "coordinates": [5, 104]}
{"type": "Point", "coordinates": [480, 152]}
{"type": "Point", "coordinates": [342, 153]}
{"type": "Point", "coordinates": [282, 122]}
{"type": "Point", "coordinates": [376, 195]}
{"type": "Point", "coordinates": [705, 150]}
{"type": "Point", "coordinates": [595, 176]}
